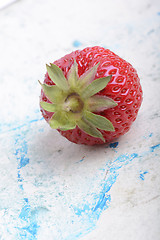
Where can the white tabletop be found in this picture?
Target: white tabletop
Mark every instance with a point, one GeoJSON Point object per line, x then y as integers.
{"type": "Point", "coordinates": [51, 188]}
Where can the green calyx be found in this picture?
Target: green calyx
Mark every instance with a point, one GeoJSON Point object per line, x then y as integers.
{"type": "Point", "coordinates": [75, 101]}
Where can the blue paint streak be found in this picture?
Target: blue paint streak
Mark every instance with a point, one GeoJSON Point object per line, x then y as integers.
{"type": "Point", "coordinates": [30, 226]}
{"type": "Point", "coordinates": [11, 128]}
{"type": "Point", "coordinates": [21, 153]}
{"type": "Point", "coordinates": [158, 13]}
{"type": "Point", "coordinates": [142, 175]}
{"type": "Point", "coordinates": [154, 147]}
{"type": "Point", "coordinates": [79, 212]}
{"type": "Point", "coordinates": [25, 212]}
{"type": "Point", "coordinates": [29, 231]}
{"type": "Point", "coordinates": [148, 136]}
{"type": "Point", "coordinates": [26, 200]}
{"type": "Point", "coordinates": [113, 145]}
{"type": "Point", "coordinates": [103, 199]}
{"type": "Point", "coordinates": [20, 180]}
{"type": "Point", "coordinates": [77, 43]}
{"type": "Point", "coordinates": [90, 212]}
{"type": "Point", "coordinates": [82, 159]}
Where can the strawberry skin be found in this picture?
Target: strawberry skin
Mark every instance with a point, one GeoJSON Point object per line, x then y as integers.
{"type": "Point", "coordinates": [124, 88]}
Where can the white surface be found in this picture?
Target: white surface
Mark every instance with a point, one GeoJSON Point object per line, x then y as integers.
{"type": "Point", "coordinates": [51, 188]}
{"type": "Point", "coordinates": [6, 3]}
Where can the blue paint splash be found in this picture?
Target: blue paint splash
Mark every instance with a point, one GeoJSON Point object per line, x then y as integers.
{"type": "Point", "coordinates": [118, 163]}
{"type": "Point", "coordinates": [77, 43]}
{"type": "Point", "coordinates": [151, 134]}
{"type": "Point", "coordinates": [81, 160]}
{"type": "Point", "coordinates": [90, 212]}
{"type": "Point", "coordinates": [21, 152]}
{"type": "Point", "coordinates": [20, 180]}
{"type": "Point", "coordinates": [30, 228]}
{"type": "Point", "coordinates": [8, 127]}
{"type": "Point", "coordinates": [153, 148]}
{"type": "Point", "coordinates": [29, 231]}
{"type": "Point", "coordinates": [142, 175]}
{"type": "Point", "coordinates": [113, 145]}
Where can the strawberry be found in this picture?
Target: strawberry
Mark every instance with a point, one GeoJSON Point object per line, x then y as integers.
{"type": "Point", "coordinates": [91, 96]}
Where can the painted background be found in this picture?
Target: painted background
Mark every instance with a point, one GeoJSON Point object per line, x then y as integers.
{"type": "Point", "coordinates": [53, 189]}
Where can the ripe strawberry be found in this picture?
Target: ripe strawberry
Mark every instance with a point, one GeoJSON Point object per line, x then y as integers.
{"type": "Point", "coordinates": [91, 96]}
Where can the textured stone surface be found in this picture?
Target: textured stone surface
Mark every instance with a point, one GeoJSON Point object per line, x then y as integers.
{"type": "Point", "coordinates": [51, 188]}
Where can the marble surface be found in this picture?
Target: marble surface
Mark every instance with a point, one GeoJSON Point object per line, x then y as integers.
{"type": "Point", "coordinates": [51, 188]}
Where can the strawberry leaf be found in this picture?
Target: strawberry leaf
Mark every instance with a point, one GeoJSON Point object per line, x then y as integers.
{"type": "Point", "coordinates": [57, 76]}
{"type": "Point", "coordinates": [50, 107]}
{"type": "Point", "coordinates": [53, 93]}
{"type": "Point", "coordinates": [73, 75]}
{"type": "Point", "coordinates": [99, 103]}
{"type": "Point", "coordinates": [98, 121]}
{"type": "Point", "coordinates": [87, 127]}
{"type": "Point", "coordinates": [96, 86]}
{"type": "Point", "coordinates": [60, 121]}
{"type": "Point", "coordinates": [88, 76]}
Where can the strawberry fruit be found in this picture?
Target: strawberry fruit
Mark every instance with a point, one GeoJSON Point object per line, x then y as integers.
{"type": "Point", "coordinates": [91, 96]}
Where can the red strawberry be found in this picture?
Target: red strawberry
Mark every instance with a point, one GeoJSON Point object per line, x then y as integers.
{"type": "Point", "coordinates": [91, 96]}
